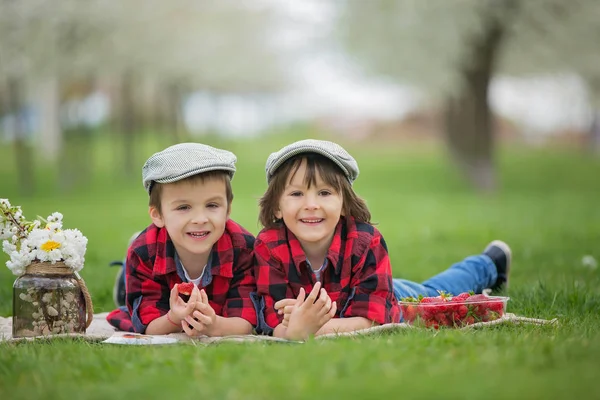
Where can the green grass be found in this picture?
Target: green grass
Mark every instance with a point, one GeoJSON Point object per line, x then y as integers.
{"type": "Point", "coordinates": [546, 209]}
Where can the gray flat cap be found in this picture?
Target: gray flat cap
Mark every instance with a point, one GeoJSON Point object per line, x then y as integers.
{"type": "Point", "coordinates": [184, 160]}
{"type": "Point", "coordinates": [333, 151]}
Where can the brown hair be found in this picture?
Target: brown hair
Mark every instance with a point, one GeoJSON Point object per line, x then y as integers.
{"type": "Point", "coordinates": [156, 190]}
{"type": "Point", "coordinates": [331, 174]}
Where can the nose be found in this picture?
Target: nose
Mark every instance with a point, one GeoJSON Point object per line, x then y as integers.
{"type": "Point", "coordinates": [199, 217]}
{"type": "Point", "coordinates": [311, 201]}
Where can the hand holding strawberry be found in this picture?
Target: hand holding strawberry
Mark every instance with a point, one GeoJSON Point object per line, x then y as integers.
{"type": "Point", "coordinates": [203, 319]}
{"type": "Point", "coordinates": [178, 307]}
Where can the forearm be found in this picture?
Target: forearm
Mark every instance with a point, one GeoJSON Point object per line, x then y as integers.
{"type": "Point", "coordinates": [232, 326]}
{"type": "Point", "coordinates": [336, 325]}
{"type": "Point", "coordinates": [162, 326]}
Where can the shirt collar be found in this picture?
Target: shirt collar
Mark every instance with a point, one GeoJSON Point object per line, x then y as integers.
{"type": "Point", "coordinates": [332, 256]}
{"type": "Point", "coordinates": [219, 262]}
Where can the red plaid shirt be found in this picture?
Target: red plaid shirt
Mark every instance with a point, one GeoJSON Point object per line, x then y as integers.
{"type": "Point", "coordinates": [151, 273]}
{"type": "Point", "coordinates": [358, 275]}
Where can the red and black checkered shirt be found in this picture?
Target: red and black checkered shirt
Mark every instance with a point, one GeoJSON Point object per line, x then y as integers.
{"type": "Point", "coordinates": [358, 275]}
{"type": "Point", "coordinates": [151, 273]}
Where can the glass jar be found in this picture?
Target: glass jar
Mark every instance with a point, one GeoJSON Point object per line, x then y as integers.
{"type": "Point", "coordinates": [47, 304]}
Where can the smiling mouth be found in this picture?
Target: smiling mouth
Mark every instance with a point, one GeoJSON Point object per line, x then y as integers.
{"type": "Point", "coordinates": [198, 235]}
{"type": "Point", "coordinates": [311, 220]}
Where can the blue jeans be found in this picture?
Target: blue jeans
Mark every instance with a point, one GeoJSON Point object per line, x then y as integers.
{"type": "Point", "coordinates": [473, 273]}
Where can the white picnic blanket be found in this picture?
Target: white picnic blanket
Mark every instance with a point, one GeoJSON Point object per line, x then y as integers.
{"type": "Point", "coordinates": [100, 330]}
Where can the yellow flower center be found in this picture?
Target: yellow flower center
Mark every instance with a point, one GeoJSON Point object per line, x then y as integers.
{"type": "Point", "coordinates": [50, 245]}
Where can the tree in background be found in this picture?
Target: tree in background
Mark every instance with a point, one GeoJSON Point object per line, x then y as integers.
{"type": "Point", "coordinates": [453, 49]}
{"type": "Point", "coordinates": [55, 51]}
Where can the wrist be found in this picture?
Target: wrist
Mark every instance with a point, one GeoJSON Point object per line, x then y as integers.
{"type": "Point", "coordinates": [215, 328]}
{"type": "Point", "coordinates": [172, 320]}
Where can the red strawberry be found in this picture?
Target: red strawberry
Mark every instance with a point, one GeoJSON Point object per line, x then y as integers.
{"type": "Point", "coordinates": [409, 312]}
{"type": "Point", "coordinates": [443, 320]}
{"type": "Point", "coordinates": [185, 288]}
{"type": "Point", "coordinates": [496, 306]}
{"type": "Point", "coordinates": [461, 297]}
{"type": "Point", "coordinates": [429, 300]}
{"type": "Point", "coordinates": [432, 324]}
{"type": "Point", "coordinates": [469, 320]}
{"type": "Point", "coordinates": [477, 298]}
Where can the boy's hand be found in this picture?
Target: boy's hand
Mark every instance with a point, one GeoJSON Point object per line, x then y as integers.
{"type": "Point", "coordinates": [179, 309]}
{"type": "Point", "coordinates": [308, 315]}
{"type": "Point", "coordinates": [286, 306]}
{"type": "Point", "coordinates": [203, 319]}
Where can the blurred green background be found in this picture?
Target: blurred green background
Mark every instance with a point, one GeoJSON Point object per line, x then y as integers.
{"type": "Point", "coordinates": [470, 120]}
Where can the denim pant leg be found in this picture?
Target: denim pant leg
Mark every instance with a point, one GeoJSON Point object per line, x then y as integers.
{"type": "Point", "coordinates": [473, 273]}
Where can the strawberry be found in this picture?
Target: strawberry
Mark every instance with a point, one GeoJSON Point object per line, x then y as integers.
{"type": "Point", "coordinates": [461, 297]}
{"type": "Point", "coordinates": [496, 306]}
{"type": "Point", "coordinates": [432, 324]}
{"type": "Point", "coordinates": [477, 298]}
{"type": "Point", "coordinates": [185, 288]}
{"type": "Point", "coordinates": [429, 300]}
{"type": "Point", "coordinates": [409, 312]}
{"type": "Point", "coordinates": [443, 319]}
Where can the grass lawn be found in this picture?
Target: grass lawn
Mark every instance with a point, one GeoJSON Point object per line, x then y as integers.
{"type": "Point", "coordinates": [547, 209]}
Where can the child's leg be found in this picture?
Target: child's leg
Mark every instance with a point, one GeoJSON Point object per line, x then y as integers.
{"type": "Point", "coordinates": [473, 273]}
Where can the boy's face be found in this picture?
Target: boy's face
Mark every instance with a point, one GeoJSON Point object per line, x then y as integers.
{"type": "Point", "coordinates": [194, 214]}
{"type": "Point", "coordinates": [310, 213]}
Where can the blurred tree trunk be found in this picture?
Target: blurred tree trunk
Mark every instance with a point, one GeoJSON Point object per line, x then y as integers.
{"type": "Point", "coordinates": [594, 134]}
{"type": "Point", "coordinates": [468, 118]}
{"type": "Point", "coordinates": [129, 125]}
{"type": "Point", "coordinates": [76, 157]}
{"type": "Point", "coordinates": [23, 150]}
{"type": "Point", "coordinates": [176, 126]}
{"type": "Point", "coordinates": [51, 138]}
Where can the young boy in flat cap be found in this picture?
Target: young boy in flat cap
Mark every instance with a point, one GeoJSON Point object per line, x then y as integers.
{"type": "Point", "coordinates": [191, 239]}
{"type": "Point", "coordinates": [321, 267]}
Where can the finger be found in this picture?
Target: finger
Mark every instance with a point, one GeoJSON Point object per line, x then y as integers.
{"type": "Point", "coordinates": [284, 302]}
{"type": "Point", "coordinates": [322, 300]}
{"type": "Point", "coordinates": [204, 296]}
{"type": "Point", "coordinates": [288, 310]}
{"type": "Point", "coordinates": [328, 316]}
{"type": "Point", "coordinates": [206, 309]}
{"type": "Point", "coordinates": [189, 330]}
{"type": "Point", "coordinates": [203, 319]}
{"type": "Point", "coordinates": [287, 316]}
{"type": "Point", "coordinates": [194, 295]}
{"type": "Point", "coordinates": [333, 309]}
{"type": "Point", "coordinates": [286, 320]}
{"type": "Point", "coordinates": [300, 298]}
{"type": "Point", "coordinates": [310, 299]}
{"type": "Point", "coordinates": [193, 323]}
{"type": "Point", "coordinates": [174, 295]}
{"type": "Point", "coordinates": [189, 307]}
{"type": "Point", "coordinates": [327, 301]}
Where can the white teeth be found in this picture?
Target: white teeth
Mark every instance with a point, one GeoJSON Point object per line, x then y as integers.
{"type": "Point", "coordinates": [197, 235]}
{"type": "Point", "coordinates": [311, 220]}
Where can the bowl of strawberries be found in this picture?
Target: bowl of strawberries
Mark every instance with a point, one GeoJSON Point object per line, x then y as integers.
{"type": "Point", "coordinates": [457, 311]}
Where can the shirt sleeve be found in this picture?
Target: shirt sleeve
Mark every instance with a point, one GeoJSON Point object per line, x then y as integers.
{"type": "Point", "coordinates": [271, 284]}
{"type": "Point", "coordinates": [238, 302]}
{"type": "Point", "coordinates": [372, 296]}
{"type": "Point", "coordinates": [147, 298]}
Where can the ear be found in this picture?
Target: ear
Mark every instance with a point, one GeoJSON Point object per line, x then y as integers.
{"type": "Point", "coordinates": [278, 214]}
{"type": "Point", "coordinates": [157, 219]}
{"type": "Point", "coordinates": [229, 209]}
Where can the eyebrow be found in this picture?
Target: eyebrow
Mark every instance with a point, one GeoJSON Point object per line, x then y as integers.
{"type": "Point", "coordinates": [214, 198]}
